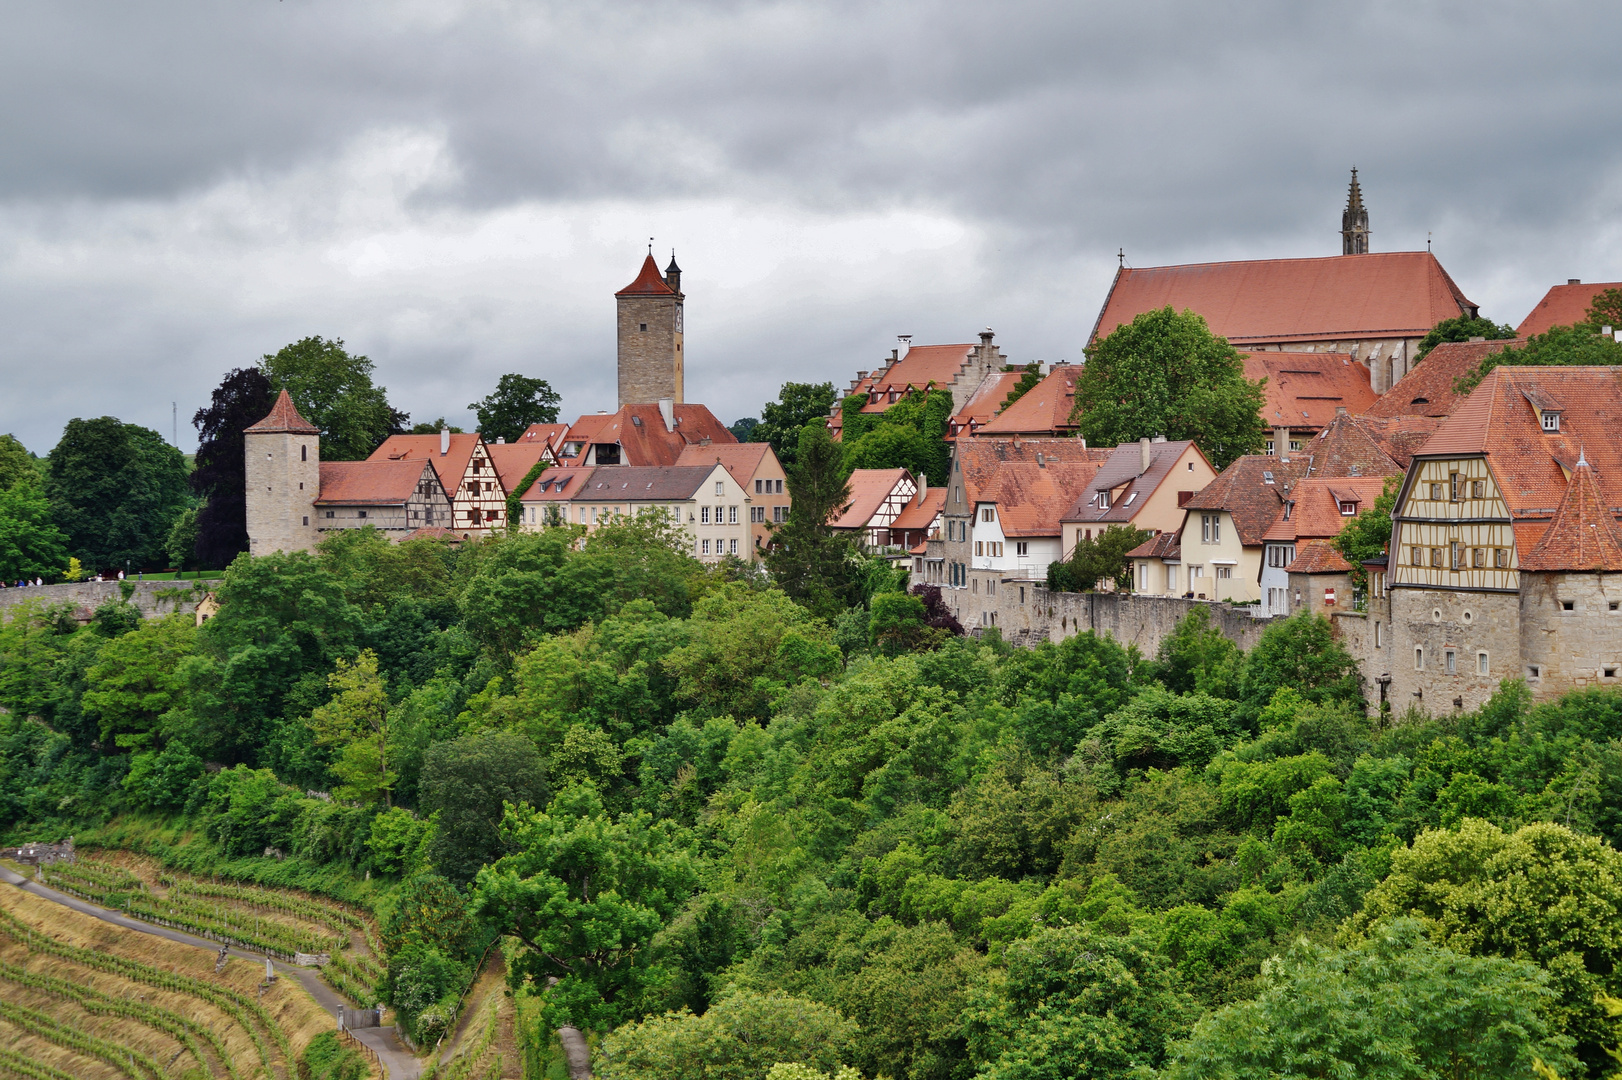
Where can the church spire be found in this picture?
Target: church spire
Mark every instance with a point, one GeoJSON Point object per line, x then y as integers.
{"type": "Point", "coordinates": [1354, 222]}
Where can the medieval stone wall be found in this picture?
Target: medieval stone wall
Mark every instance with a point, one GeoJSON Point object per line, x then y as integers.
{"type": "Point", "coordinates": [90, 595]}
{"type": "Point", "coordinates": [650, 360]}
{"type": "Point", "coordinates": [1027, 614]}
{"type": "Point", "coordinates": [1570, 647]}
{"type": "Point", "coordinates": [1467, 624]}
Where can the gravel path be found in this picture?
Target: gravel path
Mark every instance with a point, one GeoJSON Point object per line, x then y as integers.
{"type": "Point", "coordinates": [398, 1062]}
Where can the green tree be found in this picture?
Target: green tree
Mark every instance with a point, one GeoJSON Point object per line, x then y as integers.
{"type": "Point", "coordinates": [1542, 894]}
{"type": "Point", "coordinates": [16, 463]}
{"type": "Point", "coordinates": [1196, 656]}
{"type": "Point", "coordinates": [1098, 559]}
{"type": "Point", "coordinates": [900, 623]}
{"type": "Point", "coordinates": [334, 391]}
{"type": "Point", "coordinates": [1027, 382]}
{"type": "Point", "coordinates": [1367, 534]}
{"type": "Point", "coordinates": [1077, 1002]}
{"type": "Point", "coordinates": [1393, 1008]}
{"type": "Point", "coordinates": [585, 893]}
{"type": "Point", "coordinates": [743, 427]}
{"type": "Point", "coordinates": [1606, 310]}
{"type": "Point", "coordinates": [30, 543]}
{"type": "Point", "coordinates": [746, 647]}
{"type": "Point", "coordinates": [781, 421]}
{"type": "Point", "coordinates": [356, 722]}
{"type": "Point", "coordinates": [425, 428]}
{"type": "Point", "coordinates": [1557, 346]}
{"type": "Point", "coordinates": [1301, 653]}
{"type": "Point", "coordinates": [910, 434]}
{"type": "Point", "coordinates": [115, 490]}
{"type": "Point", "coordinates": [1167, 374]}
{"type": "Point", "coordinates": [180, 546]}
{"type": "Point", "coordinates": [137, 678]}
{"type": "Point", "coordinates": [465, 784]}
{"type": "Point", "coordinates": [518, 402]}
{"type": "Point", "coordinates": [1461, 328]}
{"type": "Point", "coordinates": [740, 1037]}
{"type": "Point", "coordinates": [808, 559]}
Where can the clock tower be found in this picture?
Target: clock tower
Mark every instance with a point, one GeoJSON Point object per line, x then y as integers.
{"type": "Point", "coordinates": [650, 335]}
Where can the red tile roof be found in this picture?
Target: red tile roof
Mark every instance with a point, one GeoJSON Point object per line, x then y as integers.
{"type": "Point", "coordinates": [1318, 557]}
{"type": "Point", "coordinates": [1123, 468]}
{"type": "Point", "coordinates": [549, 434]}
{"type": "Point", "coordinates": [1043, 410]}
{"type": "Point", "coordinates": [648, 283]}
{"type": "Point", "coordinates": [640, 431]}
{"type": "Point", "coordinates": [434, 532]}
{"type": "Point", "coordinates": [1346, 448]}
{"type": "Point", "coordinates": [1167, 545]}
{"type": "Point", "coordinates": [923, 364]}
{"type": "Point", "coordinates": [868, 490]}
{"type": "Point", "coordinates": [1032, 481]}
{"type": "Point", "coordinates": [1252, 491]}
{"type": "Point", "coordinates": [742, 460]}
{"type": "Point", "coordinates": [1583, 534]}
{"type": "Point", "coordinates": [922, 514]}
{"type": "Point", "coordinates": [1499, 420]}
{"type": "Point", "coordinates": [1563, 305]}
{"type": "Point", "coordinates": [1400, 436]}
{"type": "Point", "coordinates": [1427, 390]}
{"type": "Point", "coordinates": [451, 466]}
{"type": "Point", "coordinates": [1316, 514]}
{"type": "Point", "coordinates": [558, 483]}
{"type": "Point", "coordinates": [1341, 297]}
{"type": "Point", "coordinates": [983, 404]}
{"type": "Point", "coordinates": [370, 483]}
{"type": "Point", "coordinates": [512, 461]}
{"type": "Point", "coordinates": [1305, 388]}
{"type": "Point", "coordinates": [283, 417]}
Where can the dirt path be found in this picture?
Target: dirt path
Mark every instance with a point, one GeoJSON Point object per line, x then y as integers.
{"type": "Point", "coordinates": [398, 1062]}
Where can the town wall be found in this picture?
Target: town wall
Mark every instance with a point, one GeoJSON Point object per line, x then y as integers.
{"type": "Point", "coordinates": [1468, 623]}
{"type": "Point", "coordinates": [90, 595]}
{"type": "Point", "coordinates": [1028, 614]}
{"type": "Point", "coordinates": [1570, 649]}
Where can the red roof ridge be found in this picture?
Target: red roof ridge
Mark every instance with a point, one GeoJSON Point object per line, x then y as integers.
{"type": "Point", "coordinates": [649, 282]}
{"type": "Point", "coordinates": [283, 418]}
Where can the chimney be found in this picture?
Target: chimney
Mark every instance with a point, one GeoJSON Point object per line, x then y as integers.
{"type": "Point", "coordinates": [923, 487]}
{"type": "Point", "coordinates": [1143, 456]}
{"type": "Point", "coordinates": [1340, 410]}
{"type": "Point", "coordinates": [444, 441]}
{"type": "Point", "coordinates": [667, 409]}
{"type": "Point", "coordinates": [906, 343]}
{"type": "Point", "coordinates": [985, 339]}
{"type": "Point", "coordinates": [1574, 281]}
{"type": "Point", "coordinates": [1281, 443]}
{"type": "Point", "coordinates": [501, 440]}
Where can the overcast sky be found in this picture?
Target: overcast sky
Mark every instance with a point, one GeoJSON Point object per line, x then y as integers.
{"type": "Point", "coordinates": [457, 190]}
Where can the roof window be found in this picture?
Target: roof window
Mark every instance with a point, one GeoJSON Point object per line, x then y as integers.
{"type": "Point", "coordinates": [1130, 497]}
{"type": "Point", "coordinates": [1267, 476]}
{"type": "Point", "coordinates": [1551, 420]}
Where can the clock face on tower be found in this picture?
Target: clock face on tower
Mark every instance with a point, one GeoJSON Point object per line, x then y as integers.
{"type": "Point", "coordinates": [678, 319]}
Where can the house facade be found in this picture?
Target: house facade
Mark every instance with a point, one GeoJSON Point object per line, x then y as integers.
{"type": "Point", "coordinates": [464, 467]}
{"type": "Point", "coordinates": [1142, 485]}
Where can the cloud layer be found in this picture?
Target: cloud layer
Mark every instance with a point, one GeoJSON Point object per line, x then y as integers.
{"type": "Point", "coordinates": [457, 190]}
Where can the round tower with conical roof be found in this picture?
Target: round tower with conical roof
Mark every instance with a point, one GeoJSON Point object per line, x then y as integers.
{"type": "Point", "coordinates": [282, 456]}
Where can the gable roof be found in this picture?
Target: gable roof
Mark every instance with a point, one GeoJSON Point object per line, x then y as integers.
{"type": "Point", "coordinates": [283, 418]}
{"type": "Point", "coordinates": [1167, 545]}
{"type": "Point", "coordinates": [1400, 436]}
{"type": "Point", "coordinates": [1528, 463]}
{"type": "Point", "coordinates": [983, 404]}
{"type": "Point", "coordinates": [921, 513]}
{"type": "Point", "coordinates": [868, 490]}
{"type": "Point", "coordinates": [548, 434]}
{"type": "Point", "coordinates": [1318, 557]}
{"type": "Point", "coordinates": [642, 436]}
{"type": "Point", "coordinates": [978, 461]}
{"type": "Point", "coordinates": [1393, 294]}
{"type": "Point", "coordinates": [1346, 448]}
{"type": "Point", "coordinates": [923, 364]}
{"type": "Point", "coordinates": [643, 483]}
{"type": "Point", "coordinates": [1563, 305]}
{"type": "Point", "coordinates": [742, 460]}
{"type": "Point", "coordinates": [371, 482]}
{"type": "Point", "coordinates": [649, 282]}
{"type": "Point", "coordinates": [1252, 490]}
{"type": "Point", "coordinates": [558, 483]}
{"type": "Point", "coordinates": [512, 461]}
{"type": "Point", "coordinates": [1123, 467]}
{"type": "Point", "coordinates": [1583, 534]}
{"type": "Point", "coordinates": [451, 466]}
{"type": "Point", "coordinates": [1305, 388]}
{"type": "Point", "coordinates": [1316, 514]}
{"type": "Point", "coordinates": [1043, 409]}
{"type": "Point", "coordinates": [1427, 390]}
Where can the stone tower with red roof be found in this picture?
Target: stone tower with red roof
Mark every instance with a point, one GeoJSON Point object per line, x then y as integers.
{"type": "Point", "coordinates": [650, 335]}
{"type": "Point", "coordinates": [283, 463]}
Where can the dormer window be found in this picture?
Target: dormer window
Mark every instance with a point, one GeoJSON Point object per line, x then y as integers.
{"type": "Point", "coordinates": [1347, 509]}
{"type": "Point", "coordinates": [1103, 500]}
{"type": "Point", "coordinates": [1551, 420]}
{"type": "Point", "coordinates": [1289, 504]}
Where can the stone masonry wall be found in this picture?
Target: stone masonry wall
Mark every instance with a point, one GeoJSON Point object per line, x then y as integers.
{"type": "Point", "coordinates": [1575, 648]}
{"type": "Point", "coordinates": [1028, 614]}
{"type": "Point", "coordinates": [650, 361]}
{"type": "Point", "coordinates": [92, 594]}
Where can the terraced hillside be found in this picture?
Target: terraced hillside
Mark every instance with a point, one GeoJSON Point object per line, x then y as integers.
{"type": "Point", "coordinates": [82, 998]}
{"type": "Point", "coordinates": [279, 922]}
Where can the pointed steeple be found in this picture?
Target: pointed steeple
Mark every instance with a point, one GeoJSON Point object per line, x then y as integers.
{"type": "Point", "coordinates": [648, 282]}
{"type": "Point", "coordinates": [284, 418]}
{"type": "Point", "coordinates": [1582, 535]}
{"type": "Point", "coordinates": [1354, 222]}
{"type": "Point", "coordinates": [673, 274]}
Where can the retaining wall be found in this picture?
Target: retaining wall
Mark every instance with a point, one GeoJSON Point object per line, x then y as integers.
{"type": "Point", "coordinates": [1028, 614]}
{"type": "Point", "coordinates": [90, 595]}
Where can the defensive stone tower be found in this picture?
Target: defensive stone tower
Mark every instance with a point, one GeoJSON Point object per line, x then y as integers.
{"type": "Point", "coordinates": [283, 459]}
{"type": "Point", "coordinates": [650, 336]}
{"type": "Point", "coordinates": [1354, 222]}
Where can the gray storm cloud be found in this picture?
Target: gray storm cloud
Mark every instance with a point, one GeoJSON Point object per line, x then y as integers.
{"type": "Point", "coordinates": [457, 190]}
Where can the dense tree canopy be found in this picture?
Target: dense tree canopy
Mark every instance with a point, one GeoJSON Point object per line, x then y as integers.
{"type": "Point", "coordinates": [333, 390]}
{"type": "Point", "coordinates": [810, 561]}
{"type": "Point", "coordinates": [115, 490]}
{"type": "Point", "coordinates": [16, 463]}
{"type": "Point", "coordinates": [1461, 328]}
{"type": "Point", "coordinates": [1167, 374]}
{"type": "Point", "coordinates": [219, 478]}
{"type": "Point", "coordinates": [781, 421]}
{"type": "Point", "coordinates": [1557, 346]}
{"type": "Point", "coordinates": [517, 402]}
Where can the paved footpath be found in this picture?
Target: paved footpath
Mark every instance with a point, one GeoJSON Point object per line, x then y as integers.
{"type": "Point", "coordinates": [398, 1062]}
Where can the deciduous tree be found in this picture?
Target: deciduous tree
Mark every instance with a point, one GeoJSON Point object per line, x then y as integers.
{"type": "Point", "coordinates": [219, 478]}
{"type": "Point", "coordinates": [781, 421]}
{"type": "Point", "coordinates": [465, 783]}
{"type": "Point", "coordinates": [1461, 328]}
{"type": "Point", "coordinates": [518, 402]}
{"type": "Point", "coordinates": [333, 390]}
{"type": "Point", "coordinates": [115, 489]}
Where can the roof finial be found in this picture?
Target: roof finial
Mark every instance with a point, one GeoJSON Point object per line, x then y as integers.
{"type": "Point", "coordinates": [1121, 255]}
{"type": "Point", "coordinates": [1582, 456]}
